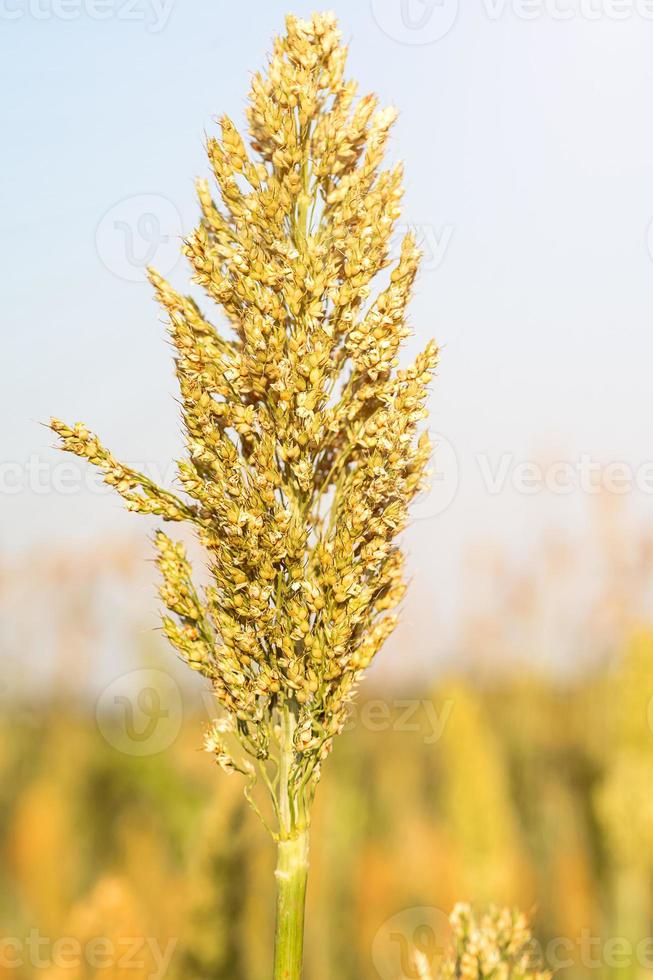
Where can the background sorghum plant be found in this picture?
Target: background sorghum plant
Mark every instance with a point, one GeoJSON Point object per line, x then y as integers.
{"type": "Point", "coordinates": [497, 946]}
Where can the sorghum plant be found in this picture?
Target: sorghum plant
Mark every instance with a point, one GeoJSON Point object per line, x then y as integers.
{"type": "Point", "coordinates": [303, 450]}
{"type": "Point", "coordinates": [499, 946]}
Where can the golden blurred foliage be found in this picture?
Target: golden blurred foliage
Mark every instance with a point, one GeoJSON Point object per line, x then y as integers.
{"type": "Point", "coordinates": [135, 859]}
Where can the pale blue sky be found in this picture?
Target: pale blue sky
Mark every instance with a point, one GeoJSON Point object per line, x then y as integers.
{"type": "Point", "coordinates": [528, 146]}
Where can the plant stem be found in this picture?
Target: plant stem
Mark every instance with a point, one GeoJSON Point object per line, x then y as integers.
{"type": "Point", "coordinates": [292, 861]}
{"type": "Point", "coordinates": [291, 874]}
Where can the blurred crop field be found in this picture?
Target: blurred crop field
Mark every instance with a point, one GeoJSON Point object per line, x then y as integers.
{"type": "Point", "coordinates": [125, 853]}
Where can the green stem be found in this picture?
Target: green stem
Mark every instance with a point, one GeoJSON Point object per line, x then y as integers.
{"type": "Point", "coordinates": [291, 874]}
{"type": "Point", "coordinates": [292, 860]}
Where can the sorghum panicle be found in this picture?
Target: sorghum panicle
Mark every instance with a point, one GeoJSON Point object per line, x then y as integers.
{"type": "Point", "coordinates": [498, 945]}
{"type": "Point", "coordinates": [303, 449]}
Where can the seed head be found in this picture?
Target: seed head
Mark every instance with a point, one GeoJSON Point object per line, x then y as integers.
{"type": "Point", "coordinates": [303, 448]}
{"type": "Point", "coordinates": [499, 944]}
